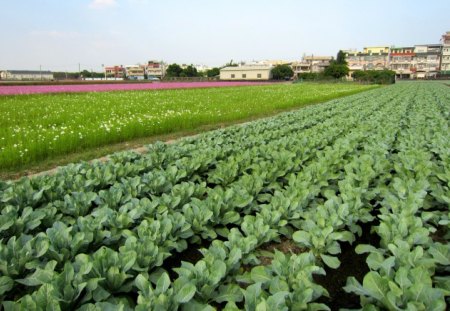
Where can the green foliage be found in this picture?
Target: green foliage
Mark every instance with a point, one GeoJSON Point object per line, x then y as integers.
{"type": "Point", "coordinates": [189, 71]}
{"type": "Point", "coordinates": [197, 224]}
{"type": "Point", "coordinates": [91, 74]}
{"type": "Point", "coordinates": [374, 76]}
{"type": "Point", "coordinates": [173, 70]}
{"type": "Point", "coordinates": [340, 58]}
{"type": "Point", "coordinates": [282, 72]}
{"type": "Point", "coordinates": [311, 76]}
{"type": "Point", "coordinates": [58, 124]}
{"type": "Point", "coordinates": [336, 70]}
{"type": "Point", "coordinates": [213, 72]}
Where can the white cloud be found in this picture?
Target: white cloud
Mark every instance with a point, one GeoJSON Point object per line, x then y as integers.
{"type": "Point", "coordinates": [102, 4]}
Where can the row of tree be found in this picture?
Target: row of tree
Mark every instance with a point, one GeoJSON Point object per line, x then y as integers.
{"type": "Point", "coordinates": [175, 70]}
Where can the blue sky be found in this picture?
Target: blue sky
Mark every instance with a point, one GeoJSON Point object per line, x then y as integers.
{"type": "Point", "coordinates": [60, 34]}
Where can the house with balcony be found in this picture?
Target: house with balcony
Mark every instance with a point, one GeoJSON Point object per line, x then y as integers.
{"type": "Point", "coordinates": [311, 64]}
{"type": "Point", "coordinates": [135, 72]}
{"type": "Point", "coordinates": [370, 58]}
{"type": "Point", "coordinates": [155, 69]}
{"type": "Point", "coordinates": [445, 54]}
{"type": "Point", "coordinates": [427, 60]}
{"type": "Point", "coordinates": [402, 60]}
{"type": "Point", "coordinates": [318, 63]}
{"type": "Point", "coordinates": [116, 72]}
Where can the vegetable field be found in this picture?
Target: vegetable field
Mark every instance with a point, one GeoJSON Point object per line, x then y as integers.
{"type": "Point", "coordinates": [38, 127]}
{"type": "Point", "coordinates": [339, 205]}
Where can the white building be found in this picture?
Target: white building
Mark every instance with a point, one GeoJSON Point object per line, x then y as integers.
{"type": "Point", "coordinates": [445, 62]}
{"type": "Point", "coordinates": [135, 72]}
{"type": "Point", "coordinates": [155, 69]}
{"type": "Point", "coordinates": [311, 64]}
{"type": "Point", "coordinates": [246, 73]}
{"type": "Point", "coordinates": [26, 75]}
{"type": "Point", "coordinates": [427, 60]}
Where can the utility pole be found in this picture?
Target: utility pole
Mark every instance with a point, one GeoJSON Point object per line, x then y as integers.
{"type": "Point", "coordinates": [79, 71]}
{"type": "Point", "coordinates": [40, 71]}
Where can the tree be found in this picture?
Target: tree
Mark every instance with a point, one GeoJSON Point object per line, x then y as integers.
{"type": "Point", "coordinates": [213, 72]}
{"type": "Point", "coordinates": [231, 64]}
{"type": "Point", "coordinates": [173, 70]}
{"type": "Point", "coordinates": [86, 74]}
{"type": "Point", "coordinates": [281, 72]}
{"type": "Point", "coordinates": [338, 68]}
{"type": "Point", "coordinates": [340, 58]}
{"type": "Point", "coordinates": [190, 71]}
{"type": "Point", "coordinates": [336, 71]}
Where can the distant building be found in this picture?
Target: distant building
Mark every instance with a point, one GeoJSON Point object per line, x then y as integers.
{"type": "Point", "coordinates": [402, 60]}
{"type": "Point", "coordinates": [371, 58]}
{"type": "Point", "coordinates": [114, 72]}
{"type": "Point", "coordinates": [311, 64]}
{"type": "Point", "coordinates": [26, 75]}
{"type": "Point", "coordinates": [300, 67]}
{"type": "Point", "coordinates": [427, 60]}
{"type": "Point", "coordinates": [271, 62]}
{"type": "Point", "coordinates": [445, 61]}
{"type": "Point", "coordinates": [135, 72]}
{"type": "Point", "coordinates": [155, 69]}
{"type": "Point", "coordinates": [246, 73]}
{"type": "Point", "coordinates": [421, 61]}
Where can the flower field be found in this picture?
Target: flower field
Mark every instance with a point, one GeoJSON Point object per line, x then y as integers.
{"type": "Point", "coordinates": [42, 89]}
{"type": "Point", "coordinates": [339, 205]}
{"type": "Point", "coordinates": [37, 127]}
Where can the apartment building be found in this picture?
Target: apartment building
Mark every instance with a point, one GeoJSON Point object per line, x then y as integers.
{"type": "Point", "coordinates": [445, 60]}
{"type": "Point", "coordinates": [135, 72]}
{"type": "Point", "coordinates": [116, 72]}
{"type": "Point", "coordinates": [427, 58]}
{"type": "Point", "coordinates": [402, 61]}
{"type": "Point", "coordinates": [155, 69]}
{"type": "Point", "coordinates": [370, 58]}
{"type": "Point", "coordinates": [311, 64]}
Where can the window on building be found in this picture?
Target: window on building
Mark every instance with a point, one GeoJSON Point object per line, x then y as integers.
{"type": "Point", "coordinates": [232, 76]}
{"type": "Point", "coordinates": [244, 76]}
{"type": "Point", "coordinates": [259, 76]}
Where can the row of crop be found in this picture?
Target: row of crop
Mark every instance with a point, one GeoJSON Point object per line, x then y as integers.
{"type": "Point", "coordinates": [323, 227]}
{"type": "Point", "coordinates": [405, 268]}
{"type": "Point", "coordinates": [378, 121]}
{"type": "Point", "coordinates": [320, 176]}
{"type": "Point", "coordinates": [15, 221]}
{"type": "Point", "coordinates": [19, 199]}
{"type": "Point", "coordinates": [99, 176]}
{"type": "Point", "coordinates": [211, 279]}
{"type": "Point", "coordinates": [299, 296]}
{"type": "Point", "coordinates": [109, 237]}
